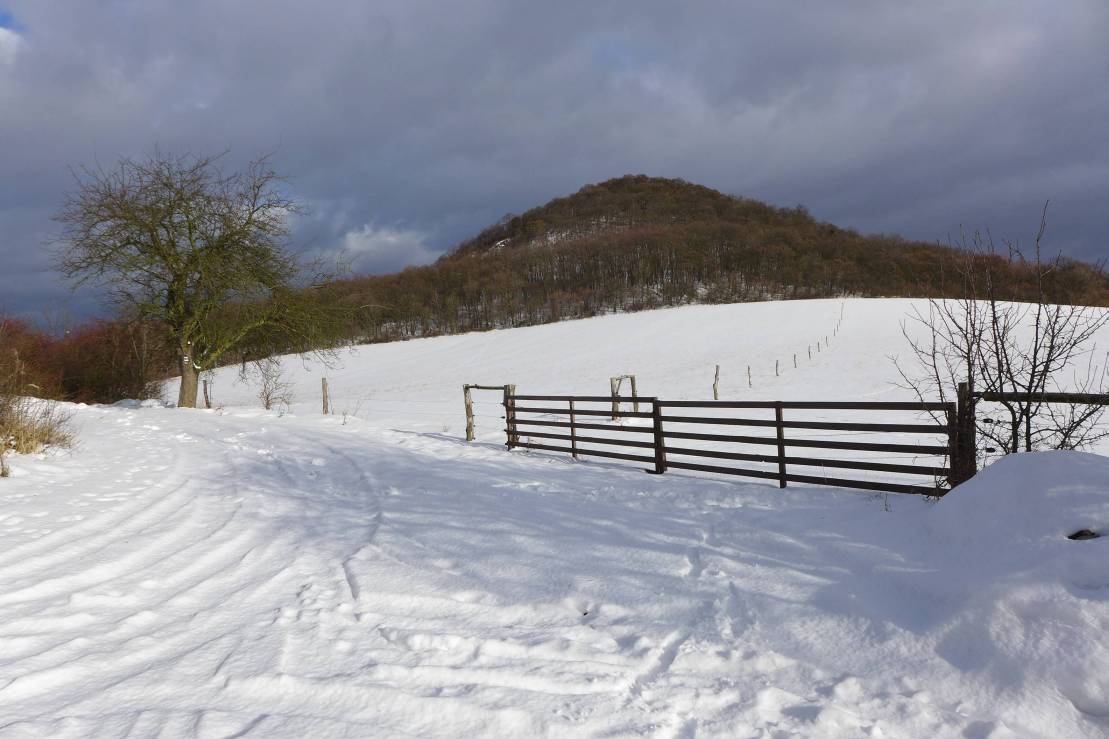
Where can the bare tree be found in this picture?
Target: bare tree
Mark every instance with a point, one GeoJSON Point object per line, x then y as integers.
{"type": "Point", "coordinates": [177, 240]}
{"type": "Point", "coordinates": [997, 346]}
{"type": "Point", "coordinates": [274, 390]}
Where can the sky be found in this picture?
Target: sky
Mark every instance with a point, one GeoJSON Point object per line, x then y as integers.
{"type": "Point", "coordinates": [406, 126]}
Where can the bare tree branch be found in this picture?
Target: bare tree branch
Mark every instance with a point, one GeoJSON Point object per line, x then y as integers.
{"type": "Point", "coordinates": [1006, 347]}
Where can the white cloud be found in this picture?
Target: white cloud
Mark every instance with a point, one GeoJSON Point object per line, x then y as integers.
{"type": "Point", "coordinates": [9, 45]}
{"type": "Point", "coordinates": [387, 246]}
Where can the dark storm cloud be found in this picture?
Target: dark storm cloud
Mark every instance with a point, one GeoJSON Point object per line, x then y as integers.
{"type": "Point", "coordinates": [407, 126]}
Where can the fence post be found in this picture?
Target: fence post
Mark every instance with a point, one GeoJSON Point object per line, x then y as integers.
{"type": "Point", "coordinates": [660, 441]}
{"type": "Point", "coordinates": [469, 412]}
{"type": "Point", "coordinates": [716, 384]}
{"type": "Point", "coordinates": [573, 432]}
{"type": "Point", "coordinates": [781, 444]}
{"type": "Point", "coordinates": [614, 386]}
{"type": "Point", "coordinates": [326, 396]}
{"type": "Point", "coordinates": [510, 415]}
{"type": "Point", "coordinates": [964, 462]}
{"type": "Point", "coordinates": [635, 395]}
{"type": "Point", "coordinates": [207, 397]}
{"type": "Point", "coordinates": [952, 414]}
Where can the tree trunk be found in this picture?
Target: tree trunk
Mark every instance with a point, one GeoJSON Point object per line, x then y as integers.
{"type": "Point", "coordinates": [186, 398]}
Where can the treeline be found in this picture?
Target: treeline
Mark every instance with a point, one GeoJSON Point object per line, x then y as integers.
{"type": "Point", "coordinates": [103, 361]}
{"type": "Point", "coordinates": [656, 266]}
{"type": "Point", "coordinates": [99, 362]}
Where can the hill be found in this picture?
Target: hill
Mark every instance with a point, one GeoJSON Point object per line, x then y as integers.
{"type": "Point", "coordinates": [624, 204]}
{"type": "Point", "coordinates": [638, 242]}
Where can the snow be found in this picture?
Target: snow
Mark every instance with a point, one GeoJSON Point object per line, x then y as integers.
{"type": "Point", "coordinates": [1003, 551]}
{"type": "Point", "coordinates": [238, 572]}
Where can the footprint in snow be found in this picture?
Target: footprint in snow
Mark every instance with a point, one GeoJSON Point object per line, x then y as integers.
{"type": "Point", "coordinates": [694, 567]}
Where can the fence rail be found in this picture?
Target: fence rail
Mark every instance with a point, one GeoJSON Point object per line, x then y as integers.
{"type": "Point", "coordinates": [1044, 397]}
{"type": "Point", "coordinates": [557, 430]}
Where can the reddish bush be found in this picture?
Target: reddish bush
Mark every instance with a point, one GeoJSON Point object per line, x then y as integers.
{"type": "Point", "coordinates": [106, 361]}
{"type": "Point", "coordinates": [23, 360]}
{"type": "Point", "coordinates": [100, 362]}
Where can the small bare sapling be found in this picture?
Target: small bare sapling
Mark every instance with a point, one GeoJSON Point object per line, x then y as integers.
{"type": "Point", "coordinates": [274, 390]}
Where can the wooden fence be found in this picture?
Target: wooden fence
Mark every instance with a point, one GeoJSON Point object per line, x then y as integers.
{"type": "Point", "coordinates": [677, 434]}
{"type": "Point", "coordinates": [968, 403]}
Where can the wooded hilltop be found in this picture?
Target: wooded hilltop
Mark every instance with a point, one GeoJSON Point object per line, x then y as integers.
{"type": "Point", "coordinates": [637, 242]}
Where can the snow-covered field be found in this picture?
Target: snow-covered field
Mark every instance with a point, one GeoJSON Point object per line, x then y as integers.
{"type": "Point", "coordinates": [237, 572]}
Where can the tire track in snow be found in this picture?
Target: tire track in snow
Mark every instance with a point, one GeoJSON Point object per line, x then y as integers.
{"type": "Point", "coordinates": [220, 578]}
{"type": "Point", "coordinates": [79, 540]}
{"type": "Point", "coordinates": [111, 569]}
{"type": "Point", "coordinates": [120, 621]}
{"type": "Point", "coordinates": [115, 629]}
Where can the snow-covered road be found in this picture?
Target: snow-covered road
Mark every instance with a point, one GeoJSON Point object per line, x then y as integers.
{"type": "Point", "coordinates": [202, 573]}
{"type": "Point", "coordinates": [159, 561]}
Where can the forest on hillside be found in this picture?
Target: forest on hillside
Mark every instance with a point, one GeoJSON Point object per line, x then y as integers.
{"type": "Point", "coordinates": [637, 243]}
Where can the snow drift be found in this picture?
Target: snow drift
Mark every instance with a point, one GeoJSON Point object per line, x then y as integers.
{"type": "Point", "coordinates": [1034, 601]}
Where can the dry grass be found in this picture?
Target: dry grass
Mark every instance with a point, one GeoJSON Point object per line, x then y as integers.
{"type": "Point", "coordinates": [27, 425]}
{"type": "Point", "coordinates": [30, 425]}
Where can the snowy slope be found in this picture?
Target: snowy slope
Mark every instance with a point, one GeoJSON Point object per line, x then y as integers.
{"type": "Point", "coordinates": [241, 573]}
{"type": "Point", "coordinates": [417, 384]}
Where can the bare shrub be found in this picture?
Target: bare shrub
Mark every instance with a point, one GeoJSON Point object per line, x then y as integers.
{"type": "Point", "coordinates": [349, 413]}
{"type": "Point", "coordinates": [1026, 348]}
{"type": "Point", "coordinates": [107, 361]}
{"type": "Point", "coordinates": [275, 391]}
